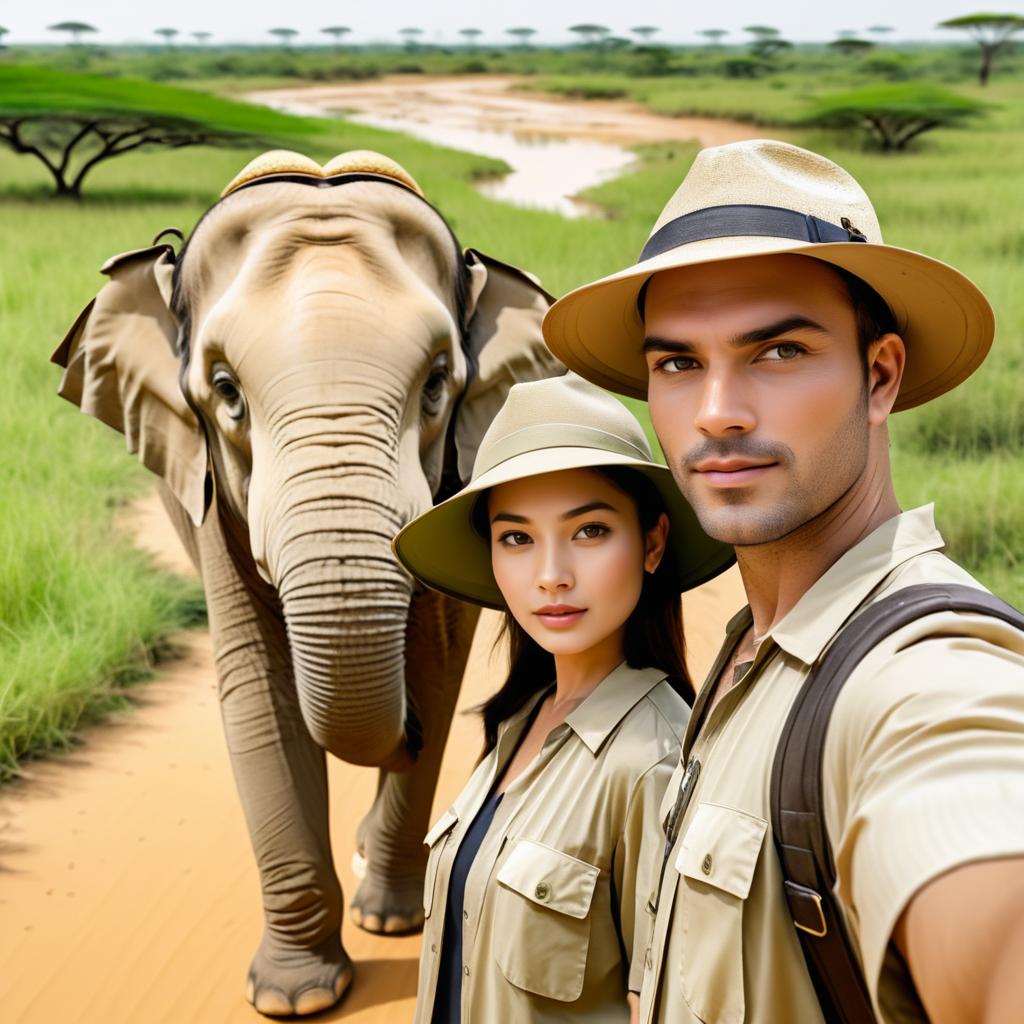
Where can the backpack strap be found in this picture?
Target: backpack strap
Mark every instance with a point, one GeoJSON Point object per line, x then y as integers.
{"type": "Point", "coordinates": [797, 805]}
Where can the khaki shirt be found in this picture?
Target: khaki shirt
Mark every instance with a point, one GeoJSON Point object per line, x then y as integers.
{"type": "Point", "coordinates": [557, 887]}
{"type": "Point", "coordinates": [923, 771]}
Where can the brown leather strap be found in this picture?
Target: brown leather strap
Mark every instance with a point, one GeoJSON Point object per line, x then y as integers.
{"type": "Point", "coordinates": [797, 806]}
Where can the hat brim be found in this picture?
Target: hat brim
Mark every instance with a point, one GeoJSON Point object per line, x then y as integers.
{"type": "Point", "coordinates": [442, 548]}
{"type": "Point", "coordinates": [945, 321]}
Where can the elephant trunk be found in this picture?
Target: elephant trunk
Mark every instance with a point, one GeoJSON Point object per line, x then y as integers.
{"type": "Point", "coordinates": [344, 597]}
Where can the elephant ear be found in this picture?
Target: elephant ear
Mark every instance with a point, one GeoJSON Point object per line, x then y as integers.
{"type": "Point", "coordinates": [120, 366]}
{"type": "Point", "coordinates": [505, 343]}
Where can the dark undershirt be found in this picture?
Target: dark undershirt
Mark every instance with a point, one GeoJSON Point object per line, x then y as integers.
{"type": "Point", "coordinates": [448, 1000]}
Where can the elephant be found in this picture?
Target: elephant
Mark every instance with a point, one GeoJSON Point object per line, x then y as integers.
{"type": "Point", "coordinates": [316, 366]}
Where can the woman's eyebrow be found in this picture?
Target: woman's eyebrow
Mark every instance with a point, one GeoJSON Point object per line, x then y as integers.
{"type": "Point", "coordinates": [593, 506]}
{"type": "Point", "coordinates": [508, 517]}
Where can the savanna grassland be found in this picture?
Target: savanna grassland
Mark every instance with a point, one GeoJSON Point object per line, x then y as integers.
{"type": "Point", "coordinates": [82, 613]}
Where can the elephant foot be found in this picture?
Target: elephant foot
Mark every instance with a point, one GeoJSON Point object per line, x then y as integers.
{"type": "Point", "coordinates": [388, 907]}
{"type": "Point", "coordinates": [285, 981]}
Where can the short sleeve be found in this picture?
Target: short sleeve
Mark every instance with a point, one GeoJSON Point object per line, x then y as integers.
{"type": "Point", "coordinates": [638, 857]}
{"type": "Point", "coordinates": [926, 754]}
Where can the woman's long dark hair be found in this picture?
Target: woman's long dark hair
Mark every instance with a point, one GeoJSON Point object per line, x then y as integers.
{"type": "Point", "coordinates": [654, 630]}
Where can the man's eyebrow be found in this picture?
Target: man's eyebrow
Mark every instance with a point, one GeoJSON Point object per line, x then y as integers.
{"type": "Point", "coordinates": [780, 327]}
{"type": "Point", "coordinates": [653, 343]}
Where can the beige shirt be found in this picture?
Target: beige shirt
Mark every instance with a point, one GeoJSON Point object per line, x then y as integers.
{"type": "Point", "coordinates": [923, 771]}
{"type": "Point", "coordinates": [555, 892]}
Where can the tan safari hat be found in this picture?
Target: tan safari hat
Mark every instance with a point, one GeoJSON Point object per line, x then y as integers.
{"type": "Point", "coordinates": [544, 427]}
{"type": "Point", "coordinates": [765, 197]}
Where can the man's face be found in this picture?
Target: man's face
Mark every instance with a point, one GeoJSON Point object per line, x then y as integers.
{"type": "Point", "coordinates": [757, 392]}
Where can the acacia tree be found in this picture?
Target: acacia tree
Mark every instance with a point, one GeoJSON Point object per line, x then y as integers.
{"type": "Point", "coordinates": [471, 35]}
{"type": "Point", "coordinates": [893, 115]}
{"type": "Point", "coordinates": [411, 37]}
{"type": "Point", "coordinates": [336, 32]}
{"type": "Point", "coordinates": [75, 29]}
{"type": "Point", "coordinates": [524, 35]}
{"type": "Point", "coordinates": [201, 37]}
{"type": "Point", "coordinates": [73, 123]}
{"type": "Point", "coordinates": [880, 30]}
{"type": "Point", "coordinates": [167, 34]}
{"type": "Point", "coordinates": [850, 45]}
{"type": "Point", "coordinates": [992, 32]}
{"type": "Point", "coordinates": [283, 35]}
{"type": "Point", "coordinates": [714, 36]}
{"type": "Point", "coordinates": [590, 35]}
{"type": "Point", "coordinates": [767, 41]}
{"type": "Point", "coordinates": [644, 32]}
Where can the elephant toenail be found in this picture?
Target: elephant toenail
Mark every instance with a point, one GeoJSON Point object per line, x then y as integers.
{"type": "Point", "coordinates": [271, 1001]}
{"type": "Point", "coordinates": [314, 999]}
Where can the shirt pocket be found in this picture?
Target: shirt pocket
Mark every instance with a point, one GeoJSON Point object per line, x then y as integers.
{"type": "Point", "coordinates": [716, 863]}
{"type": "Point", "coordinates": [436, 839]}
{"type": "Point", "coordinates": [542, 915]}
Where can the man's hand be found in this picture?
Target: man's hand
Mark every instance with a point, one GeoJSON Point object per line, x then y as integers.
{"type": "Point", "coordinates": [962, 936]}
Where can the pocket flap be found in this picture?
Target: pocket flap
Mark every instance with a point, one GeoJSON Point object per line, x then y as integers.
{"type": "Point", "coordinates": [550, 878]}
{"type": "Point", "coordinates": [720, 848]}
{"type": "Point", "coordinates": [443, 825]}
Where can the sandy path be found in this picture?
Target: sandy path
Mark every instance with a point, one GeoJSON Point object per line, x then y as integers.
{"type": "Point", "coordinates": [128, 891]}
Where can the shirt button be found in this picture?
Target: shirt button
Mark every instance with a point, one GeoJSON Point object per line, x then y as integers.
{"type": "Point", "coordinates": [465, 915]}
{"type": "Point", "coordinates": [465, 970]}
{"type": "Point", "coordinates": [543, 891]}
{"type": "Point", "coordinates": [648, 962]}
{"type": "Point", "coordinates": [433, 947]}
{"type": "Point", "coordinates": [705, 864]}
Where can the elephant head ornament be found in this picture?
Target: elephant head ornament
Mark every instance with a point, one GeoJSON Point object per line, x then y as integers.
{"type": "Point", "coordinates": [315, 367]}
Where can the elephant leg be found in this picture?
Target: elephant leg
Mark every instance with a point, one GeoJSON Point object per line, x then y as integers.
{"type": "Point", "coordinates": [300, 965]}
{"type": "Point", "coordinates": [390, 838]}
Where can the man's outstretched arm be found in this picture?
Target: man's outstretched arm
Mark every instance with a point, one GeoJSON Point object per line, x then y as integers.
{"type": "Point", "coordinates": [962, 937]}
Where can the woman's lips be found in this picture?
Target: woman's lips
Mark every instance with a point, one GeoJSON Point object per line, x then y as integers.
{"type": "Point", "coordinates": [560, 616]}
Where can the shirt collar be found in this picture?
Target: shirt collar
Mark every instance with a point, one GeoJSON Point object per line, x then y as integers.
{"type": "Point", "coordinates": [815, 619]}
{"type": "Point", "coordinates": [610, 701]}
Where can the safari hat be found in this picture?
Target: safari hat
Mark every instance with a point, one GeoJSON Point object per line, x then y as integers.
{"type": "Point", "coordinates": [764, 197]}
{"type": "Point", "coordinates": [544, 427]}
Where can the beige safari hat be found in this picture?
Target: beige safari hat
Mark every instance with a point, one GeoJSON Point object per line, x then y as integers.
{"type": "Point", "coordinates": [765, 197]}
{"type": "Point", "coordinates": [546, 426]}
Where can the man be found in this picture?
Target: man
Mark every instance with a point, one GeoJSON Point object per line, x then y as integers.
{"type": "Point", "coordinates": [773, 333]}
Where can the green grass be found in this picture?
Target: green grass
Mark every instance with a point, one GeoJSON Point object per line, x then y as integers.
{"type": "Point", "coordinates": [81, 612]}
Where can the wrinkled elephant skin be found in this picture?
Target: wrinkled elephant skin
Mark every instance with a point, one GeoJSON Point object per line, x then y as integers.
{"type": "Point", "coordinates": [316, 367]}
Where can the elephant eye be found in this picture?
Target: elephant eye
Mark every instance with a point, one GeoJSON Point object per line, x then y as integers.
{"type": "Point", "coordinates": [433, 389]}
{"type": "Point", "coordinates": [227, 389]}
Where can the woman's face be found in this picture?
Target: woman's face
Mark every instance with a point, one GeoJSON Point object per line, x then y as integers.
{"type": "Point", "coordinates": [569, 557]}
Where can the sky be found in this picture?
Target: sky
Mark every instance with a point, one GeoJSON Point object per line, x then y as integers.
{"type": "Point", "coordinates": [121, 21]}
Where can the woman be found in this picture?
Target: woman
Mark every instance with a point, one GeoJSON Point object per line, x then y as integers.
{"type": "Point", "coordinates": [539, 874]}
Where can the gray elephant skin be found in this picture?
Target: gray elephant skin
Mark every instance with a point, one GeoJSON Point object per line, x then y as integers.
{"type": "Point", "coordinates": [315, 367]}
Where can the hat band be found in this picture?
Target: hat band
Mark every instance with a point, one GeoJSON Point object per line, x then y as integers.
{"type": "Point", "coordinates": [540, 438]}
{"type": "Point", "coordinates": [733, 221]}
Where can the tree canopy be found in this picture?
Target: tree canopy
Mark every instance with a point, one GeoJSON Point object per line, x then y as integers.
{"type": "Point", "coordinates": [851, 45]}
{"type": "Point", "coordinates": [285, 35]}
{"type": "Point", "coordinates": [72, 123]}
{"type": "Point", "coordinates": [992, 32]}
{"type": "Point", "coordinates": [76, 29]}
{"type": "Point", "coordinates": [893, 115]}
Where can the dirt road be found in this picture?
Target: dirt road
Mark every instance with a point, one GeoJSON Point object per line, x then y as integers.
{"type": "Point", "coordinates": [128, 892]}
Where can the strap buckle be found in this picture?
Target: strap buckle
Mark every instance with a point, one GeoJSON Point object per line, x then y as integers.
{"type": "Point", "coordinates": [806, 907]}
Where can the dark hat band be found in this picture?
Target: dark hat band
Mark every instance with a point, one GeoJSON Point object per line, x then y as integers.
{"type": "Point", "coordinates": [733, 221]}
